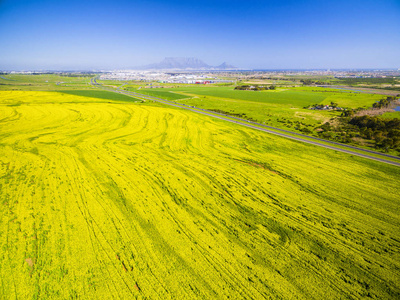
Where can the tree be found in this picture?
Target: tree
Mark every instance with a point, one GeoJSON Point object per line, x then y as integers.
{"type": "Point", "coordinates": [334, 104]}
{"type": "Point", "coordinates": [348, 113]}
{"type": "Point", "coordinates": [369, 133]}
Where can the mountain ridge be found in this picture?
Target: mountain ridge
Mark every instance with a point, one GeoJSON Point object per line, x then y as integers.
{"type": "Point", "coordinates": [183, 63]}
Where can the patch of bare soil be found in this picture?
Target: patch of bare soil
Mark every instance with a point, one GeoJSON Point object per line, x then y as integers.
{"type": "Point", "coordinates": [29, 261]}
{"type": "Point", "coordinates": [373, 112]}
{"type": "Point", "coordinates": [378, 111]}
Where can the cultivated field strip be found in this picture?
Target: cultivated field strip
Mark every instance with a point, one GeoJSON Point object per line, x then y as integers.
{"type": "Point", "coordinates": [104, 200]}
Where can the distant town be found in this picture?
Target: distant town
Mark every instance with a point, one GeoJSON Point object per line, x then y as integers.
{"type": "Point", "coordinates": [214, 76]}
{"type": "Point", "coordinates": [164, 77]}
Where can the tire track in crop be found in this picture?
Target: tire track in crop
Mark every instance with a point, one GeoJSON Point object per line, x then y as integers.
{"type": "Point", "coordinates": [211, 259]}
{"type": "Point", "coordinates": [76, 177]}
{"type": "Point", "coordinates": [175, 217]}
{"type": "Point", "coordinates": [103, 143]}
{"type": "Point", "coordinates": [12, 115]}
{"type": "Point", "coordinates": [301, 223]}
{"type": "Point", "coordinates": [89, 220]}
{"type": "Point", "coordinates": [312, 229]}
{"type": "Point", "coordinates": [345, 245]}
{"type": "Point", "coordinates": [102, 181]}
{"type": "Point", "coordinates": [8, 236]}
{"type": "Point", "coordinates": [149, 177]}
{"type": "Point", "coordinates": [287, 237]}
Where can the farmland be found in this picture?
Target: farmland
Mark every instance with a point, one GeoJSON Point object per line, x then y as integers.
{"type": "Point", "coordinates": [283, 107]}
{"type": "Point", "coordinates": [102, 197]}
{"type": "Point", "coordinates": [297, 97]}
{"type": "Point", "coordinates": [42, 82]}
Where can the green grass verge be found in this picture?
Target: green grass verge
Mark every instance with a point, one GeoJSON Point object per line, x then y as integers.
{"type": "Point", "coordinates": [101, 95]}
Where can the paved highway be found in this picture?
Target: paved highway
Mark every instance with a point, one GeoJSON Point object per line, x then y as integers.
{"type": "Point", "coordinates": [269, 129]}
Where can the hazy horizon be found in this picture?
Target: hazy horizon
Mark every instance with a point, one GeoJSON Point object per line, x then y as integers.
{"type": "Point", "coordinates": [77, 35]}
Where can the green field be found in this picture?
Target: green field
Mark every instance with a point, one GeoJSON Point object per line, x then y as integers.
{"type": "Point", "coordinates": [296, 97]}
{"type": "Point", "coordinates": [43, 82]}
{"type": "Point", "coordinates": [100, 95]}
{"type": "Point", "coordinates": [391, 115]}
{"type": "Point", "coordinates": [282, 108]}
{"type": "Point", "coordinates": [273, 97]}
{"type": "Point", "coordinates": [105, 199]}
{"type": "Point", "coordinates": [168, 95]}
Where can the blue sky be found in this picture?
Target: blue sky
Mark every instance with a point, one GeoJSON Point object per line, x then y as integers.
{"type": "Point", "coordinates": [88, 34]}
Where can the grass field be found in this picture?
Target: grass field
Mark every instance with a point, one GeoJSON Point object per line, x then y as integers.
{"type": "Point", "coordinates": [101, 95]}
{"type": "Point", "coordinates": [43, 82]}
{"type": "Point", "coordinates": [281, 108]}
{"type": "Point", "coordinates": [103, 200]}
{"type": "Point", "coordinates": [168, 95]}
{"type": "Point", "coordinates": [296, 97]}
{"type": "Point", "coordinates": [391, 115]}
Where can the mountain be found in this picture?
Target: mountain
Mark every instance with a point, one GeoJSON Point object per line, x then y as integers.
{"type": "Point", "coordinates": [182, 63]}
{"type": "Point", "coordinates": [179, 63]}
{"type": "Point", "coordinates": [225, 66]}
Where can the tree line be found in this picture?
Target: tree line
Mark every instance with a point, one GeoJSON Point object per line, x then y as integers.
{"type": "Point", "coordinates": [384, 103]}
{"type": "Point", "coordinates": [384, 133]}
{"type": "Point", "coordinates": [310, 82]}
{"type": "Point", "coordinates": [255, 87]}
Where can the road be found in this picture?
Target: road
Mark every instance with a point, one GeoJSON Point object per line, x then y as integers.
{"type": "Point", "coordinates": [269, 129]}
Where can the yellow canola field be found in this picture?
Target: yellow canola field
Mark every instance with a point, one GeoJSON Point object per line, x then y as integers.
{"type": "Point", "coordinates": [103, 200]}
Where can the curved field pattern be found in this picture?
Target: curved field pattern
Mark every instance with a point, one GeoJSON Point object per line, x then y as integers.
{"type": "Point", "coordinates": [120, 200]}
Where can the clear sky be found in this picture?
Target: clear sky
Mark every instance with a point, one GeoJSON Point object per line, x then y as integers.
{"type": "Point", "coordinates": [86, 34]}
